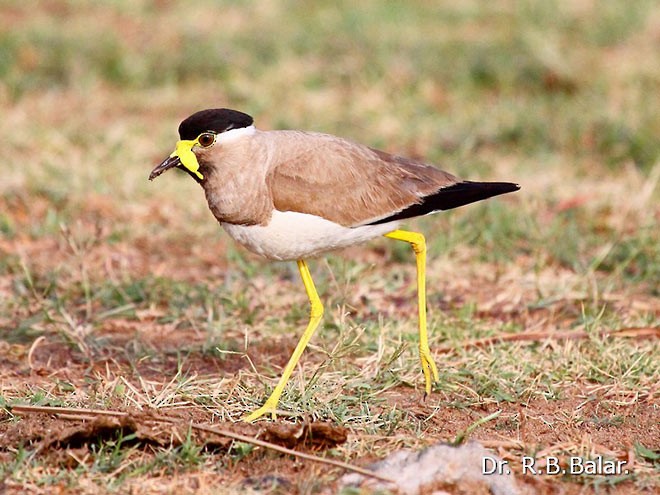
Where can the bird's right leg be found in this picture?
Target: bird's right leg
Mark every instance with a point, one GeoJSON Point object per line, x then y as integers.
{"type": "Point", "coordinates": [418, 243]}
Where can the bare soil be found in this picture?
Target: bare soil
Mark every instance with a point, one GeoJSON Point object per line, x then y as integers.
{"type": "Point", "coordinates": [541, 427]}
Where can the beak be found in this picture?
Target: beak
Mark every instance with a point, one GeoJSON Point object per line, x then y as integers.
{"type": "Point", "coordinates": [182, 156]}
{"type": "Point", "coordinates": [168, 163]}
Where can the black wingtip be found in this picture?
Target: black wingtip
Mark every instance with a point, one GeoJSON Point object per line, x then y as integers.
{"type": "Point", "coordinates": [496, 188]}
{"type": "Point", "coordinates": [447, 198]}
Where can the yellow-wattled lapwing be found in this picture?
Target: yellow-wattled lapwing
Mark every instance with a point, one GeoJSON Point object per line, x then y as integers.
{"type": "Point", "coordinates": [292, 195]}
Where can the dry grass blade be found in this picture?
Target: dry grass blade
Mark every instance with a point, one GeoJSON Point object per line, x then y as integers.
{"type": "Point", "coordinates": [84, 414]}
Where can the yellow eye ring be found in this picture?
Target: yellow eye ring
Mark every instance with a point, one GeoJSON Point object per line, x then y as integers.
{"type": "Point", "coordinates": [206, 139]}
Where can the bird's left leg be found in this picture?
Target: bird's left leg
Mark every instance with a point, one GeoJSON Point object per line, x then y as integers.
{"type": "Point", "coordinates": [314, 319]}
{"type": "Point", "coordinates": [418, 244]}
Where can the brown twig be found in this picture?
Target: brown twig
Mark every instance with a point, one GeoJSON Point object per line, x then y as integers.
{"type": "Point", "coordinates": [81, 413]}
{"type": "Point", "coordinates": [69, 411]}
{"type": "Point", "coordinates": [635, 332]}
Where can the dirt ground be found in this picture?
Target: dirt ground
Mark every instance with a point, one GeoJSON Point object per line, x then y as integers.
{"type": "Point", "coordinates": [157, 376]}
{"type": "Point", "coordinates": [610, 421]}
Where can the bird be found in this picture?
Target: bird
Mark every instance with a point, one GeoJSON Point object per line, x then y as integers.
{"type": "Point", "coordinates": [291, 195]}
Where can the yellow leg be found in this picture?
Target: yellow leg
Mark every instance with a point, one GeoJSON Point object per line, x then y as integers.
{"type": "Point", "coordinates": [315, 317]}
{"type": "Point", "coordinates": [418, 244]}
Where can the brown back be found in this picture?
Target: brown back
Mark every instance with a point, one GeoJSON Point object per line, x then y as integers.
{"type": "Point", "coordinates": [345, 182]}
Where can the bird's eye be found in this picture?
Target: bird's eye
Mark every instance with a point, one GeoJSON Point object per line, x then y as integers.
{"type": "Point", "coordinates": [206, 139]}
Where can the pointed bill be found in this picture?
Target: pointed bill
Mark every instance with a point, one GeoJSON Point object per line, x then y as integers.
{"type": "Point", "coordinates": [182, 155]}
{"type": "Point", "coordinates": [168, 163]}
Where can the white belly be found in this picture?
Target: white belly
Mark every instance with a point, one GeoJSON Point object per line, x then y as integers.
{"type": "Point", "coordinates": [292, 236]}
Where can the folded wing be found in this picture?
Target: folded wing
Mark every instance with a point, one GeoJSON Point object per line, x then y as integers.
{"type": "Point", "coordinates": [353, 185]}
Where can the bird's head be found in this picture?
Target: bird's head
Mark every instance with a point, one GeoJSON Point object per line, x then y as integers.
{"type": "Point", "coordinates": [198, 134]}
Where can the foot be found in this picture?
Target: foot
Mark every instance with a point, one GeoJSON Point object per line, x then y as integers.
{"type": "Point", "coordinates": [268, 408]}
{"type": "Point", "coordinates": [429, 368]}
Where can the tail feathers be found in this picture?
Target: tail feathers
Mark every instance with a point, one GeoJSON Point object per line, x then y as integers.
{"type": "Point", "coordinates": [459, 194]}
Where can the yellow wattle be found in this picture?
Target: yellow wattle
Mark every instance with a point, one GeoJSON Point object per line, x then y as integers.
{"type": "Point", "coordinates": [186, 156]}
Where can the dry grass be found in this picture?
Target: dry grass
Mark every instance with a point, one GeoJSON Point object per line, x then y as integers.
{"type": "Point", "coordinates": [124, 294]}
